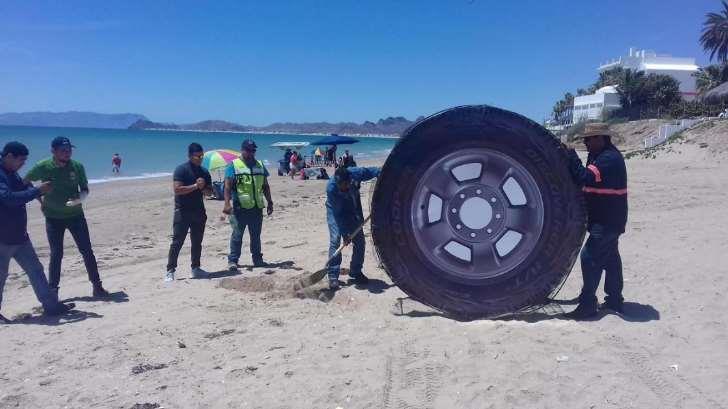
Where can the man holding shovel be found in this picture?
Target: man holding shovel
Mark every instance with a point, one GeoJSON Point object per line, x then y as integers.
{"type": "Point", "coordinates": [344, 215]}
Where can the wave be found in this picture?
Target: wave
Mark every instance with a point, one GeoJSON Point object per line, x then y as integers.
{"type": "Point", "coordinates": [121, 178]}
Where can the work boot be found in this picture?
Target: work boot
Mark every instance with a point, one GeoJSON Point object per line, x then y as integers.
{"type": "Point", "coordinates": [59, 309]}
{"type": "Point", "coordinates": [258, 262]}
{"type": "Point", "coordinates": [334, 284]}
{"type": "Point", "coordinates": [199, 273]}
{"type": "Point", "coordinates": [232, 266]}
{"type": "Point", "coordinates": [358, 279]}
{"type": "Point", "coordinates": [4, 320]}
{"type": "Point", "coordinates": [582, 312]}
{"type": "Point", "coordinates": [169, 276]}
{"type": "Point", "coordinates": [615, 306]}
{"type": "Point", "coordinates": [99, 291]}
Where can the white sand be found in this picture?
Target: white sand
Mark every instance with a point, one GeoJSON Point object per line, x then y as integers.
{"type": "Point", "coordinates": [265, 349]}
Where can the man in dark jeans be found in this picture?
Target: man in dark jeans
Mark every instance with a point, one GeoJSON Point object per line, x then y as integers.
{"type": "Point", "coordinates": [14, 240]}
{"type": "Point", "coordinates": [246, 183]}
{"type": "Point", "coordinates": [190, 180]}
{"type": "Point", "coordinates": [63, 210]}
{"type": "Point", "coordinates": [604, 182]}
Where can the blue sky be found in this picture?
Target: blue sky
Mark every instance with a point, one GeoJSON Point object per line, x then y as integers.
{"type": "Point", "coordinates": [256, 62]}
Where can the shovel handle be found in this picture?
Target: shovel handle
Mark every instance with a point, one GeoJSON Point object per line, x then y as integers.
{"type": "Point", "coordinates": [341, 247]}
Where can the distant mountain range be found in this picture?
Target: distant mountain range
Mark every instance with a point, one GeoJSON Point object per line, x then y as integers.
{"type": "Point", "coordinates": [76, 119]}
{"type": "Point", "coordinates": [70, 119]}
{"type": "Point", "coordinates": [387, 126]}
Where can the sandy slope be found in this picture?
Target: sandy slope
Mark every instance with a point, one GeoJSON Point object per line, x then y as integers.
{"type": "Point", "coordinates": [263, 348]}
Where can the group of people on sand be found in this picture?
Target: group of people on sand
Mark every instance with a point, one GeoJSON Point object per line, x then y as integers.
{"type": "Point", "coordinates": [61, 191]}
{"type": "Point", "coordinates": [247, 194]}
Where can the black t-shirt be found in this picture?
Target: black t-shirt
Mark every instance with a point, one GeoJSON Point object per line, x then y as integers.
{"type": "Point", "coordinates": [191, 203]}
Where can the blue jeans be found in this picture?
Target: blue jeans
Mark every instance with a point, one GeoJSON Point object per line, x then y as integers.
{"type": "Point", "coordinates": [77, 226]}
{"type": "Point", "coordinates": [242, 218]}
{"type": "Point", "coordinates": [24, 255]}
{"type": "Point", "coordinates": [357, 258]}
{"type": "Point", "coordinates": [601, 253]}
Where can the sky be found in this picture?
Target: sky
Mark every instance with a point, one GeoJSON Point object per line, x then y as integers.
{"type": "Point", "coordinates": [258, 62]}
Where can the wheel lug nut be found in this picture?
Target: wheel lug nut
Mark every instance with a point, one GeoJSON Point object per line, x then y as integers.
{"type": "Point", "coordinates": [472, 234]}
{"type": "Point", "coordinates": [457, 226]}
{"type": "Point", "coordinates": [462, 196]}
{"type": "Point", "coordinates": [497, 216]}
{"type": "Point", "coordinates": [478, 191]}
{"type": "Point", "coordinates": [489, 231]}
{"type": "Point", "coordinates": [454, 210]}
{"type": "Point", "coordinates": [492, 199]}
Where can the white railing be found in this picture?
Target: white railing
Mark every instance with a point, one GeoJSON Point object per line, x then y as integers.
{"type": "Point", "coordinates": [666, 131]}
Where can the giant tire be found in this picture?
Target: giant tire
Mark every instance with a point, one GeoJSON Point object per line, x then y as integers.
{"type": "Point", "coordinates": [513, 245]}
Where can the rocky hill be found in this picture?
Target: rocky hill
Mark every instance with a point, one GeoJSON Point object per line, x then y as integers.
{"type": "Point", "coordinates": [386, 126]}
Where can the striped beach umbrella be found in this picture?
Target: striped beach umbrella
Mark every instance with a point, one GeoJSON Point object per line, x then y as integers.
{"type": "Point", "coordinates": [218, 159]}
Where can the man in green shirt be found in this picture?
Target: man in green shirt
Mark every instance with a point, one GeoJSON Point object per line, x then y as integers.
{"type": "Point", "coordinates": [63, 211]}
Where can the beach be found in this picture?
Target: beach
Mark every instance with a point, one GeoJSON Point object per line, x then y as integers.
{"type": "Point", "coordinates": [247, 341]}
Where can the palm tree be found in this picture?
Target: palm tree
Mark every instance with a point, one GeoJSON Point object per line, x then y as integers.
{"type": "Point", "coordinates": [715, 34]}
{"type": "Point", "coordinates": [631, 90]}
{"type": "Point", "coordinates": [710, 77]}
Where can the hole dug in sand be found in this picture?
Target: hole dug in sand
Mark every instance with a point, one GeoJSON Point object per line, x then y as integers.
{"type": "Point", "coordinates": [277, 288]}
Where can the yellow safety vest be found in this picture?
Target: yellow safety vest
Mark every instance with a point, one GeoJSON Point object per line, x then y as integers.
{"type": "Point", "coordinates": [249, 184]}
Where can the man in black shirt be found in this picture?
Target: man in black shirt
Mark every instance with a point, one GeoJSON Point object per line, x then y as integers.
{"type": "Point", "coordinates": [190, 181]}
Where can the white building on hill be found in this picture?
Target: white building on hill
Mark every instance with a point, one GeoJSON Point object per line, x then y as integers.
{"type": "Point", "coordinates": [682, 69]}
{"type": "Point", "coordinates": [591, 107]}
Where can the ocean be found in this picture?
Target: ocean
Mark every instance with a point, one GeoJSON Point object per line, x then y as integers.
{"type": "Point", "coordinates": [149, 153]}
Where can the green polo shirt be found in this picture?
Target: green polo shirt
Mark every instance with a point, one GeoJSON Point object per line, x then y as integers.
{"type": "Point", "coordinates": [67, 182]}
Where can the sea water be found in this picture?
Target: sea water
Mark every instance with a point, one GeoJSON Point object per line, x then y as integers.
{"type": "Point", "coordinates": [150, 153]}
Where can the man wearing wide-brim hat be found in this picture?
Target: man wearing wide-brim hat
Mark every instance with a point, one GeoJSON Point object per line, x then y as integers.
{"type": "Point", "coordinates": [604, 181]}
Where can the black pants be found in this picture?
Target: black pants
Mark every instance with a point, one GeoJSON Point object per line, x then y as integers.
{"type": "Point", "coordinates": [195, 224]}
{"type": "Point", "coordinates": [601, 253]}
{"type": "Point", "coordinates": [56, 229]}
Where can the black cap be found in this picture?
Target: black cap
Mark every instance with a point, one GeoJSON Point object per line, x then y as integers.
{"type": "Point", "coordinates": [61, 142]}
{"type": "Point", "coordinates": [16, 148]}
{"type": "Point", "coordinates": [249, 145]}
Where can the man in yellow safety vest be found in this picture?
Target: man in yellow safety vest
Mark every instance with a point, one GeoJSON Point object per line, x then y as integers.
{"type": "Point", "coordinates": [246, 185]}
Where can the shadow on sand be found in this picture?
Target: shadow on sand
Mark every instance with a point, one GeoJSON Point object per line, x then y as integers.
{"type": "Point", "coordinates": [67, 318]}
{"type": "Point", "coordinates": [119, 296]}
{"type": "Point", "coordinates": [283, 265]}
{"type": "Point", "coordinates": [223, 274]}
{"type": "Point", "coordinates": [632, 312]}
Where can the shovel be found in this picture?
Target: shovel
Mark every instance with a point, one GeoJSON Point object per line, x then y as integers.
{"type": "Point", "coordinates": [320, 274]}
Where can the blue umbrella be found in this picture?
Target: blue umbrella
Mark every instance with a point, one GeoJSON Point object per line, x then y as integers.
{"type": "Point", "coordinates": [335, 139]}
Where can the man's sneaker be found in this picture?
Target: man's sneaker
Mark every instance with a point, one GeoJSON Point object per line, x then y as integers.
{"type": "Point", "coordinates": [169, 276]}
{"type": "Point", "coordinates": [259, 263]}
{"type": "Point", "coordinates": [581, 313]}
{"type": "Point", "coordinates": [99, 291]}
{"type": "Point", "coordinates": [59, 309]}
{"type": "Point", "coordinates": [232, 266]}
{"type": "Point", "coordinates": [199, 273]}
{"type": "Point", "coordinates": [4, 320]}
{"type": "Point", "coordinates": [334, 284]}
{"type": "Point", "coordinates": [358, 279]}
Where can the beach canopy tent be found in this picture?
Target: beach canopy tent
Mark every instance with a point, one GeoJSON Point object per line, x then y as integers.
{"type": "Point", "coordinates": [335, 139]}
{"type": "Point", "coordinates": [290, 145]}
{"type": "Point", "coordinates": [717, 95]}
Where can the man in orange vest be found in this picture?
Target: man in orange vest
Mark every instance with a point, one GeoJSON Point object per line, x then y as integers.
{"type": "Point", "coordinates": [604, 181]}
